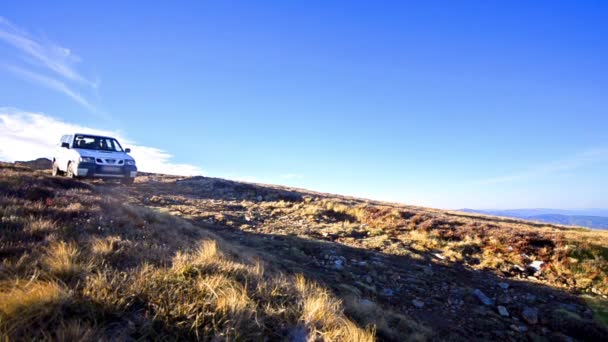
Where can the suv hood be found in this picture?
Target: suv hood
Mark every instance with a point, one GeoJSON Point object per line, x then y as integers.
{"type": "Point", "coordinates": [103, 154]}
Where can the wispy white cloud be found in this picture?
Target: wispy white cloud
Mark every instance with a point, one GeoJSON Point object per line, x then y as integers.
{"type": "Point", "coordinates": [47, 64]}
{"type": "Point", "coordinates": [579, 160]}
{"type": "Point", "coordinates": [51, 83]}
{"type": "Point", "coordinates": [57, 58]}
{"type": "Point", "coordinates": [25, 135]}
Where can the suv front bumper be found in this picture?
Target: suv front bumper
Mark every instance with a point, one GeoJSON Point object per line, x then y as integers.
{"type": "Point", "coordinates": [92, 170]}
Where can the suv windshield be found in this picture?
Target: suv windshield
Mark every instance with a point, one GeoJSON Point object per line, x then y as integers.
{"type": "Point", "coordinates": [90, 142]}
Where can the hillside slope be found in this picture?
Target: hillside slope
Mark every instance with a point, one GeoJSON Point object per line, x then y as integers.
{"type": "Point", "coordinates": [197, 258]}
{"type": "Point", "coordinates": [588, 221]}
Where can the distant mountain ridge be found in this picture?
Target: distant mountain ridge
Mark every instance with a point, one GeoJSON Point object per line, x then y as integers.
{"type": "Point", "coordinates": [591, 218]}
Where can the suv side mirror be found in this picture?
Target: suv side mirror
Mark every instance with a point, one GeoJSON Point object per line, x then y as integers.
{"type": "Point", "coordinates": [65, 145]}
{"type": "Point", "coordinates": [127, 150]}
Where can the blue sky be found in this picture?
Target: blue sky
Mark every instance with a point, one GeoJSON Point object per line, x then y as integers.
{"type": "Point", "coordinates": [447, 104]}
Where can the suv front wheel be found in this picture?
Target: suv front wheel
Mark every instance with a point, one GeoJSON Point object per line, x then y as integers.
{"type": "Point", "coordinates": [70, 171]}
{"type": "Point", "coordinates": [56, 171]}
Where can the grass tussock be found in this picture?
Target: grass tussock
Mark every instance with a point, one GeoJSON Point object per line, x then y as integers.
{"type": "Point", "coordinates": [63, 260]}
{"type": "Point", "coordinates": [320, 311]}
{"type": "Point", "coordinates": [29, 305]}
{"type": "Point", "coordinates": [40, 226]}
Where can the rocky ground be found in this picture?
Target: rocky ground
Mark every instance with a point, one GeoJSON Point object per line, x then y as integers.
{"type": "Point", "coordinates": [411, 273]}
{"type": "Point", "coordinates": [455, 275]}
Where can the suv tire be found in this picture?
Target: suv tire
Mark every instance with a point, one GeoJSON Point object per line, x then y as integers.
{"type": "Point", "coordinates": [55, 170]}
{"type": "Point", "coordinates": [70, 170]}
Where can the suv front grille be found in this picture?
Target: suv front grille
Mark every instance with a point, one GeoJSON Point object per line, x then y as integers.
{"type": "Point", "coordinates": [109, 161]}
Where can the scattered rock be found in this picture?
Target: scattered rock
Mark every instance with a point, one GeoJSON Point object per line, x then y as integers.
{"type": "Point", "coordinates": [428, 270]}
{"type": "Point", "coordinates": [530, 298]}
{"type": "Point", "coordinates": [485, 300]}
{"type": "Point", "coordinates": [418, 303]}
{"type": "Point", "coordinates": [518, 268]}
{"type": "Point", "coordinates": [530, 315]}
{"type": "Point", "coordinates": [455, 301]}
{"type": "Point", "coordinates": [519, 328]}
{"type": "Point", "coordinates": [339, 264]}
{"type": "Point", "coordinates": [503, 311]}
{"type": "Point", "coordinates": [439, 256]}
{"type": "Point", "coordinates": [388, 292]}
{"type": "Point", "coordinates": [503, 286]}
{"type": "Point", "coordinates": [536, 265]}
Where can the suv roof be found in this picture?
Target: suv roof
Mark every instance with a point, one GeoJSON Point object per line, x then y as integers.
{"type": "Point", "coordinates": [94, 135]}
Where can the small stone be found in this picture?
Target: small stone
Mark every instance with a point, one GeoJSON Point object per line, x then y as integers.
{"type": "Point", "coordinates": [388, 292]}
{"type": "Point", "coordinates": [338, 264]}
{"type": "Point", "coordinates": [518, 268]}
{"type": "Point", "coordinates": [260, 198]}
{"type": "Point", "coordinates": [503, 286]}
{"type": "Point", "coordinates": [418, 303]}
{"type": "Point", "coordinates": [503, 311]}
{"type": "Point", "coordinates": [485, 300]}
{"type": "Point", "coordinates": [536, 265]}
{"type": "Point", "coordinates": [428, 270]}
{"type": "Point", "coordinates": [519, 328]}
{"type": "Point", "coordinates": [368, 279]}
{"type": "Point", "coordinates": [530, 315]}
{"type": "Point", "coordinates": [439, 256]}
{"type": "Point", "coordinates": [530, 298]}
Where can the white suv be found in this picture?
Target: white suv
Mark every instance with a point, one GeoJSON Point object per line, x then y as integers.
{"type": "Point", "coordinates": [92, 156]}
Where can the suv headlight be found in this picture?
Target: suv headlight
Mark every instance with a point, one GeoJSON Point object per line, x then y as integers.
{"type": "Point", "coordinates": [130, 162]}
{"type": "Point", "coordinates": [87, 159]}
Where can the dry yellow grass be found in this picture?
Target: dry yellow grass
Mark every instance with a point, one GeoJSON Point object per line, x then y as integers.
{"type": "Point", "coordinates": [104, 247]}
{"type": "Point", "coordinates": [28, 305]}
{"type": "Point", "coordinates": [320, 311]}
{"type": "Point", "coordinates": [63, 260]}
{"type": "Point", "coordinates": [40, 226]}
